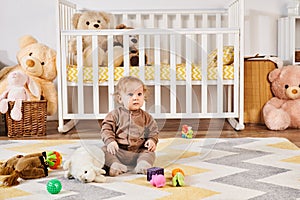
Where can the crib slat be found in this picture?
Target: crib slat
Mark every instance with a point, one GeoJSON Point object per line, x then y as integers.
{"type": "Point", "coordinates": [173, 94]}
{"type": "Point", "coordinates": [157, 88]}
{"type": "Point", "coordinates": [204, 20]}
{"type": "Point", "coordinates": [220, 73]}
{"type": "Point", "coordinates": [63, 80]}
{"type": "Point", "coordinates": [142, 57]}
{"type": "Point", "coordinates": [95, 74]}
{"type": "Point", "coordinates": [126, 54]}
{"type": "Point", "coordinates": [188, 75]}
{"type": "Point", "coordinates": [80, 75]}
{"type": "Point", "coordinates": [204, 73]}
{"type": "Point", "coordinates": [236, 65]}
{"type": "Point", "coordinates": [110, 71]}
{"type": "Point", "coordinates": [218, 21]}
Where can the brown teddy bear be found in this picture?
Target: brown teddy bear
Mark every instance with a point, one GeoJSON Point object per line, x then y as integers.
{"type": "Point", "coordinates": [38, 61]}
{"type": "Point", "coordinates": [30, 166]}
{"type": "Point", "coordinates": [283, 110]}
{"type": "Point", "coordinates": [133, 48]}
{"type": "Point", "coordinates": [90, 20]}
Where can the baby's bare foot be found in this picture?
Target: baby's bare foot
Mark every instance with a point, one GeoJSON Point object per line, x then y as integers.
{"type": "Point", "coordinates": [141, 167]}
{"type": "Point", "coordinates": [117, 169]}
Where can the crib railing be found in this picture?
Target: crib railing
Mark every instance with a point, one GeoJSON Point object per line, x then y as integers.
{"type": "Point", "coordinates": [189, 44]}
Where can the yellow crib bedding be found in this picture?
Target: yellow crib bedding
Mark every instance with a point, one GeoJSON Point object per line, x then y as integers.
{"type": "Point", "coordinates": [165, 70]}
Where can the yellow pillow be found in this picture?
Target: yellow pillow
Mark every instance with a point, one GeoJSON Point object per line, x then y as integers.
{"type": "Point", "coordinates": [228, 56]}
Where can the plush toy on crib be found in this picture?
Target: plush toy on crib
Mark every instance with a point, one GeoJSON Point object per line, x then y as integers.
{"type": "Point", "coordinates": [17, 92]}
{"type": "Point", "coordinates": [283, 110]}
{"type": "Point", "coordinates": [90, 20]}
{"type": "Point", "coordinates": [133, 48]}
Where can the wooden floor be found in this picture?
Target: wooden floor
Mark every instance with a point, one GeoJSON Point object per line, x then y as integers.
{"type": "Point", "coordinates": [215, 128]}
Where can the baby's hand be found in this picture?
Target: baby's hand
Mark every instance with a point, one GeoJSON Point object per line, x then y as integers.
{"type": "Point", "coordinates": [150, 145]}
{"type": "Point", "coordinates": [113, 147]}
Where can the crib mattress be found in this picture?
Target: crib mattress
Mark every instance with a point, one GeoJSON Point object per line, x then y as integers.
{"type": "Point", "coordinates": [72, 72]}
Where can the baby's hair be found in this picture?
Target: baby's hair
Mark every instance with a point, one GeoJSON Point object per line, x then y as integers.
{"type": "Point", "coordinates": [122, 85]}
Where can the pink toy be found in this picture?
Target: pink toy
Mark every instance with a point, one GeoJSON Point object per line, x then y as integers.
{"type": "Point", "coordinates": [17, 92]}
{"type": "Point", "coordinates": [282, 111]}
{"type": "Point", "coordinates": [158, 180]}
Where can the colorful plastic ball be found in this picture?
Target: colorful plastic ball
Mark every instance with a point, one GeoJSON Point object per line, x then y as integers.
{"type": "Point", "coordinates": [54, 186]}
{"type": "Point", "coordinates": [54, 159]}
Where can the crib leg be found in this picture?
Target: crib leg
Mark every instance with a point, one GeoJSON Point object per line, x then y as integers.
{"type": "Point", "coordinates": [235, 124]}
{"type": "Point", "coordinates": [68, 126]}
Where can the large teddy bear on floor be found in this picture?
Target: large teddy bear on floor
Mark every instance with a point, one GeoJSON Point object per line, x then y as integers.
{"type": "Point", "coordinates": [283, 110]}
{"type": "Point", "coordinates": [38, 61]}
{"type": "Point", "coordinates": [90, 20]}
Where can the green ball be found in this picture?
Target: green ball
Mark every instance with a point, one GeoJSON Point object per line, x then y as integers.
{"type": "Point", "coordinates": [54, 186]}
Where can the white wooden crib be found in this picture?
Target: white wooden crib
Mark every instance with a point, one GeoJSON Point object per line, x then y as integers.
{"type": "Point", "coordinates": [187, 73]}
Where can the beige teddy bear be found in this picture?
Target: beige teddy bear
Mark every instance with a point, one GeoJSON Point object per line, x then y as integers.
{"type": "Point", "coordinates": [38, 61]}
{"type": "Point", "coordinates": [90, 20]}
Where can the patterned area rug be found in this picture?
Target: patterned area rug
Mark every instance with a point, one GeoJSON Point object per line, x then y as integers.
{"type": "Point", "coordinates": [241, 168]}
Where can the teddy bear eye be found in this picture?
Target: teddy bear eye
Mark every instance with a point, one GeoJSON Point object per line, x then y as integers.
{"type": "Point", "coordinates": [87, 23]}
{"type": "Point", "coordinates": [42, 63]}
{"type": "Point", "coordinates": [98, 21]}
{"type": "Point", "coordinates": [85, 172]}
{"type": "Point", "coordinates": [286, 86]}
{"type": "Point", "coordinates": [30, 54]}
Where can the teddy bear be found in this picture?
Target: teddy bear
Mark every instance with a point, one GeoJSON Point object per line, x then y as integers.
{"type": "Point", "coordinates": [86, 165]}
{"type": "Point", "coordinates": [133, 48]}
{"type": "Point", "coordinates": [17, 92]}
{"type": "Point", "coordinates": [90, 20]}
{"type": "Point", "coordinates": [283, 110]}
{"type": "Point", "coordinates": [30, 166]}
{"type": "Point", "coordinates": [38, 61]}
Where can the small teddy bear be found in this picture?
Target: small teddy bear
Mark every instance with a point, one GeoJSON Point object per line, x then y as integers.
{"type": "Point", "coordinates": [283, 110]}
{"type": "Point", "coordinates": [90, 20]}
{"type": "Point", "coordinates": [38, 61]}
{"type": "Point", "coordinates": [17, 92]}
{"type": "Point", "coordinates": [133, 48]}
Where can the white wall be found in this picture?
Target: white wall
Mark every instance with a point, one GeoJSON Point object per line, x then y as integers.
{"type": "Point", "coordinates": [37, 17]}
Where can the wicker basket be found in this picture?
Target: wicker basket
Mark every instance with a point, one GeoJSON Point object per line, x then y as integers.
{"type": "Point", "coordinates": [33, 122]}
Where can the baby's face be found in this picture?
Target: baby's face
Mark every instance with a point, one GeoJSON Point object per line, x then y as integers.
{"type": "Point", "coordinates": [133, 97]}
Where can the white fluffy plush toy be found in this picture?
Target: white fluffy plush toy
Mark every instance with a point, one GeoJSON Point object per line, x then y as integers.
{"type": "Point", "coordinates": [85, 165]}
{"type": "Point", "coordinates": [17, 92]}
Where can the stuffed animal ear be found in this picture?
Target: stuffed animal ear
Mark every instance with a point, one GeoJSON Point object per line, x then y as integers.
{"type": "Point", "coordinates": [274, 74]}
{"type": "Point", "coordinates": [75, 19]}
{"type": "Point", "coordinates": [26, 40]}
{"type": "Point", "coordinates": [109, 18]}
{"type": "Point", "coordinates": [33, 87]}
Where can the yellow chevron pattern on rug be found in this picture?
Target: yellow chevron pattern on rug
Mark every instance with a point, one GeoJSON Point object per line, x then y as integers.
{"type": "Point", "coordinates": [215, 168]}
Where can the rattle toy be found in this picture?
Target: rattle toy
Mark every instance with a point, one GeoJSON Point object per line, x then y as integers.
{"type": "Point", "coordinates": [54, 159]}
{"type": "Point", "coordinates": [178, 177]}
{"type": "Point", "coordinates": [187, 132]}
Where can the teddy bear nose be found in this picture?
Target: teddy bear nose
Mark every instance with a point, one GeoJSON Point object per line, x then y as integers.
{"type": "Point", "coordinates": [134, 40]}
{"type": "Point", "coordinates": [96, 25]}
{"type": "Point", "coordinates": [30, 63]}
{"type": "Point", "coordinates": [294, 91]}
